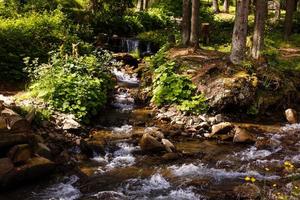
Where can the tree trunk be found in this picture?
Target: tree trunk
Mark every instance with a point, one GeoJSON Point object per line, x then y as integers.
{"type": "Point", "coordinates": [186, 22]}
{"type": "Point", "coordinates": [239, 35]}
{"type": "Point", "coordinates": [288, 23]}
{"type": "Point", "coordinates": [195, 24]}
{"type": "Point", "coordinates": [226, 6]}
{"type": "Point", "coordinates": [216, 6]}
{"type": "Point", "coordinates": [259, 28]}
{"type": "Point", "coordinates": [140, 5]}
{"type": "Point", "coordinates": [146, 4]}
{"type": "Point", "coordinates": [277, 11]}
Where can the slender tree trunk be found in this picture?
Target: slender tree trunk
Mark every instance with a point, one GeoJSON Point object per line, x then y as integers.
{"type": "Point", "coordinates": [186, 22]}
{"type": "Point", "coordinates": [195, 24]}
{"type": "Point", "coordinates": [140, 5]}
{"type": "Point", "coordinates": [259, 28]}
{"type": "Point", "coordinates": [277, 11]}
{"type": "Point", "coordinates": [146, 4]}
{"type": "Point", "coordinates": [216, 6]}
{"type": "Point", "coordinates": [226, 6]}
{"type": "Point", "coordinates": [239, 35]}
{"type": "Point", "coordinates": [288, 23]}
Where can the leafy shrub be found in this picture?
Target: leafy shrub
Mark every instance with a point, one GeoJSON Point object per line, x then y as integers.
{"type": "Point", "coordinates": [72, 85]}
{"type": "Point", "coordinates": [130, 23]}
{"type": "Point", "coordinates": [172, 88]}
{"type": "Point", "coordinates": [29, 36]}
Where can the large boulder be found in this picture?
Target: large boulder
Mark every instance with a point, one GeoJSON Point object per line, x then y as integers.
{"type": "Point", "coordinates": [150, 144]}
{"type": "Point", "coordinates": [228, 92]}
{"type": "Point", "coordinates": [20, 153]}
{"type": "Point", "coordinates": [34, 168]}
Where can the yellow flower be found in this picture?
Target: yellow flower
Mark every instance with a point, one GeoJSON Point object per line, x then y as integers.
{"type": "Point", "coordinates": [253, 179]}
{"type": "Point", "coordinates": [247, 178]}
{"type": "Point", "coordinates": [287, 163]}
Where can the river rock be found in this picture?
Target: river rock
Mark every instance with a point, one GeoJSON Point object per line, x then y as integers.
{"type": "Point", "coordinates": [170, 156]}
{"type": "Point", "coordinates": [247, 191]}
{"type": "Point", "coordinates": [43, 150]}
{"type": "Point", "coordinates": [291, 116]}
{"type": "Point", "coordinates": [221, 128]}
{"type": "Point", "coordinates": [20, 153]}
{"type": "Point", "coordinates": [168, 145]}
{"type": "Point", "coordinates": [97, 146]}
{"type": "Point", "coordinates": [8, 140]}
{"type": "Point", "coordinates": [242, 135]}
{"type": "Point", "coordinates": [34, 168]}
{"type": "Point", "coordinates": [6, 166]}
{"type": "Point", "coordinates": [149, 143]}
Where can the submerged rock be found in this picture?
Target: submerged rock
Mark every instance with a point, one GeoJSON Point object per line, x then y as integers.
{"type": "Point", "coordinates": [221, 128]}
{"type": "Point", "coordinates": [242, 135]}
{"type": "Point", "coordinates": [247, 191]}
{"type": "Point", "coordinates": [291, 116]}
{"type": "Point", "coordinates": [168, 145]}
{"type": "Point", "coordinates": [149, 143]}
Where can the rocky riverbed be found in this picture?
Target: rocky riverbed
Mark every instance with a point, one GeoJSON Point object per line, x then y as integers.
{"type": "Point", "coordinates": [133, 151]}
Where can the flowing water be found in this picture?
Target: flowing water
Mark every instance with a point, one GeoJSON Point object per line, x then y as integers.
{"type": "Point", "coordinates": [205, 170]}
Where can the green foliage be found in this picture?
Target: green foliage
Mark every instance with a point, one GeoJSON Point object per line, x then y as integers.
{"type": "Point", "coordinates": [172, 88]}
{"type": "Point", "coordinates": [30, 35]}
{"type": "Point", "coordinates": [130, 23]}
{"type": "Point", "coordinates": [159, 58]}
{"type": "Point", "coordinates": [198, 104]}
{"type": "Point", "coordinates": [72, 85]}
{"type": "Point", "coordinates": [173, 7]}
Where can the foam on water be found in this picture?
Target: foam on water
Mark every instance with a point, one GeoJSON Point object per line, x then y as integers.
{"type": "Point", "coordinates": [110, 195]}
{"type": "Point", "coordinates": [202, 170]}
{"type": "Point", "coordinates": [291, 127]}
{"type": "Point", "coordinates": [123, 129]}
{"type": "Point", "coordinates": [126, 78]}
{"type": "Point", "coordinates": [181, 194]}
{"type": "Point", "coordinates": [123, 100]}
{"type": "Point", "coordinates": [144, 187]}
{"type": "Point", "coordinates": [120, 158]}
{"type": "Point", "coordinates": [253, 153]}
{"type": "Point", "coordinates": [60, 191]}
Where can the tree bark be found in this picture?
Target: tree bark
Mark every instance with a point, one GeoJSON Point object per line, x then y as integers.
{"type": "Point", "coordinates": [288, 23]}
{"type": "Point", "coordinates": [195, 24]}
{"type": "Point", "coordinates": [239, 35]}
{"type": "Point", "coordinates": [226, 6]}
{"type": "Point", "coordinates": [140, 5]}
{"type": "Point", "coordinates": [277, 11]}
{"type": "Point", "coordinates": [261, 8]}
{"type": "Point", "coordinates": [146, 4]}
{"type": "Point", "coordinates": [186, 22]}
{"type": "Point", "coordinates": [216, 6]}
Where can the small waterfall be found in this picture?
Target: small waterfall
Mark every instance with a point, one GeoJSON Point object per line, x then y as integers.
{"type": "Point", "coordinates": [132, 45]}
